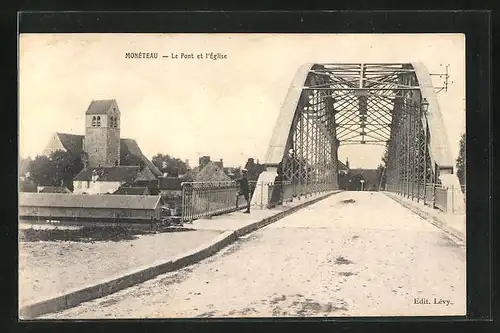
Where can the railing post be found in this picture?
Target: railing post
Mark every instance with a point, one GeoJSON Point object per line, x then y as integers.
{"type": "Point", "coordinates": [261, 195]}
{"type": "Point", "coordinates": [452, 198]}
{"type": "Point", "coordinates": [434, 186]}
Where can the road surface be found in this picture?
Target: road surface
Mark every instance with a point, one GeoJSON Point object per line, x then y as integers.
{"type": "Point", "coordinates": [353, 254]}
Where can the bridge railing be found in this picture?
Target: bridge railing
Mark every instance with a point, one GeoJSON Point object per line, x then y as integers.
{"type": "Point", "coordinates": [205, 199]}
{"type": "Point", "coordinates": [433, 195]}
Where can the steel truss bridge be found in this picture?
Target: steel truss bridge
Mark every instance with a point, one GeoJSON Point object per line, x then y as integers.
{"type": "Point", "coordinates": [329, 105]}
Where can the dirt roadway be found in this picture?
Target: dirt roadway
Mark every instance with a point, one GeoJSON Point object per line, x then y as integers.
{"type": "Point", "coordinates": [370, 257]}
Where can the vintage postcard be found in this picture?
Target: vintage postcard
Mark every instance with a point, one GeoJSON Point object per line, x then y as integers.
{"type": "Point", "coordinates": [241, 175]}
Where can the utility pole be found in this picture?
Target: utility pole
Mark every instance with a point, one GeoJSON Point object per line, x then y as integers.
{"type": "Point", "coordinates": [445, 76]}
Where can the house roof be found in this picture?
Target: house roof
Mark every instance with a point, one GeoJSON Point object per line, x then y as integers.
{"type": "Point", "coordinates": [170, 183]}
{"type": "Point", "coordinates": [73, 144]}
{"type": "Point", "coordinates": [132, 191]}
{"type": "Point", "coordinates": [145, 175]}
{"type": "Point", "coordinates": [109, 174]}
{"type": "Point", "coordinates": [211, 172]}
{"type": "Point", "coordinates": [89, 201]}
{"type": "Point", "coordinates": [99, 106]}
{"type": "Point", "coordinates": [54, 189]}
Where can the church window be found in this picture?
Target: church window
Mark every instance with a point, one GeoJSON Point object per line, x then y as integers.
{"type": "Point", "coordinates": [111, 120]}
{"type": "Point", "coordinates": [94, 121]}
{"type": "Point", "coordinates": [98, 121]}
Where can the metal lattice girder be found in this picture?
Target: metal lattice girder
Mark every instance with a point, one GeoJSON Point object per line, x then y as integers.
{"type": "Point", "coordinates": [329, 105]}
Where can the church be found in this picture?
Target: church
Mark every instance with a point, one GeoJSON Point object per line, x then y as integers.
{"type": "Point", "coordinates": [109, 161]}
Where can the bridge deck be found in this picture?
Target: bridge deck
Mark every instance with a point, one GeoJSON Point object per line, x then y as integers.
{"type": "Point", "coordinates": [365, 257]}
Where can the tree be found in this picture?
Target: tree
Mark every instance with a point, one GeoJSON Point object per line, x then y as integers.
{"type": "Point", "coordinates": [58, 169]}
{"type": "Point", "coordinates": [24, 164]}
{"type": "Point", "coordinates": [41, 170]}
{"type": "Point", "coordinates": [461, 161]}
{"type": "Point", "coordinates": [170, 165]}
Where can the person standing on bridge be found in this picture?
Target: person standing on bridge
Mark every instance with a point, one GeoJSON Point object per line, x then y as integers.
{"type": "Point", "coordinates": [244, 189]}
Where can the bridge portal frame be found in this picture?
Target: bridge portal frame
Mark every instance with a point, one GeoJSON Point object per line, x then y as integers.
{"type": "Point", "coordinates": [328, 105]}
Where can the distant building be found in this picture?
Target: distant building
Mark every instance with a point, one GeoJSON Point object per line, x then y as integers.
{"type": "Point", "coordinates": [208, 171]}
{"type": "Point", "coordinates": [101, 180]}
{"type": "Point", "coordinates": [370, 177]}
{"type": "Point", "coordinates": [233, 172]}
{"type": "Point", "coordinates": [211, 172]}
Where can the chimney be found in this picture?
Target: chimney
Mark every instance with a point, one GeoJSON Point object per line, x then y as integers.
{"type": "Point", "coordinates": [204, 160]}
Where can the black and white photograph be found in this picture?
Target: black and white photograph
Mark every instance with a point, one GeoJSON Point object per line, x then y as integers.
{"type": "Point", "coordinates": [183, 175]}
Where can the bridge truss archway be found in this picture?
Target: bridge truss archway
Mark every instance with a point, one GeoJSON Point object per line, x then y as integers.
{"type": "Point", "coordinates": [329, 105]}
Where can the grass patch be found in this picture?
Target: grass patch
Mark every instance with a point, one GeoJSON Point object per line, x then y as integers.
{"type": "Point", "coordinates": [91, 234]}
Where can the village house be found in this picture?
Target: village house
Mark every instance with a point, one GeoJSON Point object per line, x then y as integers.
{"type": "Point", "coordinates": [109, 161]}
{"type": "Point", "coordinates": [101, 180]}
{"type": "Point", "coordinates": [132, 190]}
{"type": "Point", "coordinates": [208, 171]}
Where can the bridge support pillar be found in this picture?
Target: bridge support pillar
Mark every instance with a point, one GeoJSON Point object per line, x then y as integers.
{"type": "Point", "coordinates": [260, 197]}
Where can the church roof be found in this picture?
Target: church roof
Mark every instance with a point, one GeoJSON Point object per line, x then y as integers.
{"type": "Point", "coordinates": [99, 106]}
{"type": "Point", "coordinates": [129, 146]}
{"type": "Point", "coordinates": [73, 144]}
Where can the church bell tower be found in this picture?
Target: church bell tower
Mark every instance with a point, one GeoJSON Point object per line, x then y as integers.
{"type": "Point", "coordinates": [102, 133]}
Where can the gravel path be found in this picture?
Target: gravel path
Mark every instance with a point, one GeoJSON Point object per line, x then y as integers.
{"type": "Point", "coordinates": [49, 268]}
{"type": "Point", "coordinates": [369, 257]}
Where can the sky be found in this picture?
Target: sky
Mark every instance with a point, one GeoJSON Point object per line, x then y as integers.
{"type": "Point", "coordinates": [225, 108]}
